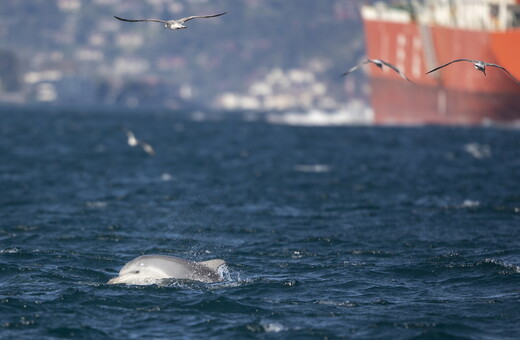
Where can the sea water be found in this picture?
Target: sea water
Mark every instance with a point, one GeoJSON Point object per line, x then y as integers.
{"type": "Point", "coordinates": [328, 232]}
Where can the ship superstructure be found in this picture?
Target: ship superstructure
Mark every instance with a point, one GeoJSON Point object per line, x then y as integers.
{"type": "Point", "coordinates": [417, 36]}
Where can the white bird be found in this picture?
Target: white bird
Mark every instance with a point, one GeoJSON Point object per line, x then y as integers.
{"type": "Point", "coordinates": [480, 66]}
{"type": "Point", "coordinates": [173, 24]}
{"type": "Point", "coordinates": [379, 63]}
{"type": "Point", "coordinates": [133, 141]}
{"type": "Point", "coordinates": [147, 148]}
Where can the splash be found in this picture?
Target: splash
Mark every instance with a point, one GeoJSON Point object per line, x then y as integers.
{"type": "Point", "coordinates": [478, 151]}
{"type": "Point", "coordinates": [508, 267]}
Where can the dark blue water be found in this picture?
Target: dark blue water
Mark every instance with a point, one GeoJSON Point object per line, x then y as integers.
{"type": "Point", "coordinates": [329, 232]}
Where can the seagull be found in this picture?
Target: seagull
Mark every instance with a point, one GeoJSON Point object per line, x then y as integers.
{"type": "Point", "coordinates": [133, 141]}
{"type": "Point", "coordinates": [147, 148]}
{"type": "Point", "coordinates": [379, 63]}
{"type": "Point", "coordinates": [480, 66]}
{"type": "Point", "coordinates": [174, 24]}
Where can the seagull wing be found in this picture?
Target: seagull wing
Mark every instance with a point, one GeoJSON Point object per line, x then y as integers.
{"type": "Point", "coordinates": [505, 70]}
{"type": "Point", "coordinates": [130, 20]}
{"type": "Point", "coordinates": [393, 67]}
{"type": "Point", "coordinates": [183, 20]}
{"type": "Point", "coordinates": [352, 69]}
{"type": "Point", "coordinates": [147, 148]}
{"type": "Point", "coordinates": [451, 62]}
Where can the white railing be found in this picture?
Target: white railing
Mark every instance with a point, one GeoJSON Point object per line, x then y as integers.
{"type": "Point", "coordinates": [484, 15]}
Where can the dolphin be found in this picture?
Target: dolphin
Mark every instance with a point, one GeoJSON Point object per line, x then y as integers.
{"type": "Point", "coordinates": [147, 269]}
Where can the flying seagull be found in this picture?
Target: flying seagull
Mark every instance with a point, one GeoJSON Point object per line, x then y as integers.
{"type": "Point", "coordinates": [379, 63]}
{"type": "Point", "coordinates": [147, 148]}
{"type": "Point", "coordinates": [479, 65]}
{"type": "Point", "coordinates": [173, 24]}
{"type": "Point", "coordinates": [133, 141]}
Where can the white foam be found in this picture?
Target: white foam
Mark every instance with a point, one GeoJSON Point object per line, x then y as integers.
{"type": "Point", "coordinates": [96, 204]}
{"type": "Point", "coordinates": [470, 204]}
{"type": "Point", "coordinates": [224, 272]}
{"type": "Point", "coordinates": [338, 303]}
{"type": "Point", "coordinates": [356, 113]}
{"type": "Point", "coordinates": [478, 151]}
{"type": "Point", "coordinates": [10, 251]}
{"type": "Point", "coordinates": [166, 177]}
{"type": "Point", "coordinates": [312, 168]}
{"type": "Point", "coordinates": [273, 327]}
{"type": "Point", "coordinates": [509, 266]}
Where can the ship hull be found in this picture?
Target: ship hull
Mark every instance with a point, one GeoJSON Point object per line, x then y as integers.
{"type": "Point", "coordinates": [398, 103]}
{"type": "Point", "coordinates": [457, 94]}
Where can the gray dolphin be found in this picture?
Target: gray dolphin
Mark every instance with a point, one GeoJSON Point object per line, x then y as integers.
{"type": "Point", "coordinates": [147, 269]}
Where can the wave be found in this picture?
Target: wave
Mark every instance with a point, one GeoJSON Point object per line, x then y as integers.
{"type": "Point", "coordinates": [504, 267]}
{"type": "Point", "coordinates": [13, 250]}
{"type": "Point", "coordinates": [478, 151]}
{"type": "Point", "coordinates": [356, 113]}
{"type": "Point", "coordinates": [312, 168]}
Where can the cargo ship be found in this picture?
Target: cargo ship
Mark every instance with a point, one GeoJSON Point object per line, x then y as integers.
{"type": "Point", "coordinates": [417, 36]}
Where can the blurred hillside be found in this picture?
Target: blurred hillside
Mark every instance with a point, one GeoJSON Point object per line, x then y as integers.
{"type": "Point", "coordinates": [263, 54]}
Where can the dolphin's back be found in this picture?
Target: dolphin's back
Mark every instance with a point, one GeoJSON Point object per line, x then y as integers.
{"type": "Point", "coordinates": [174, 267]}
{"type": "Point", "coordinates": [213, 264]}
{"type": "Point", "coordinates": [169, 265]}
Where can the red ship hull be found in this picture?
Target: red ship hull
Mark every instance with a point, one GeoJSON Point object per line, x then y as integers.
{"type": "Point", "coordinates": [457, 94]}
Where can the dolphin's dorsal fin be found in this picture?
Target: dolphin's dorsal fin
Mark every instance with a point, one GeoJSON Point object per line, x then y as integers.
{"type": "Point", "coordinates": [213, 264]}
